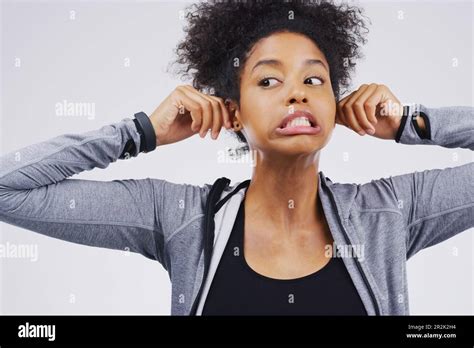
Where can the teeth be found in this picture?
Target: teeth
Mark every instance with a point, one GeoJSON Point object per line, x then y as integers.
{"type": "Point", "coordinates": [299, 121]}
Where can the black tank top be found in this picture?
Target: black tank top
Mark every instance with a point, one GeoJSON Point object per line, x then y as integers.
{"type": "Point", "coordinates": [237, 289]}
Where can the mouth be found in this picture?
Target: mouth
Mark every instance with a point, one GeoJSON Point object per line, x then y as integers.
{"type": "Point", "coordinates": [299, 122]}
{"type": "Point", "coordinates": [298, 118]}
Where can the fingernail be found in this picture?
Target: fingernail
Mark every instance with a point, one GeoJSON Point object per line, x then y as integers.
{"type": "Point", "coordinates": [370, 131]}
{"type": "Point", "coordinates": [361, 132]}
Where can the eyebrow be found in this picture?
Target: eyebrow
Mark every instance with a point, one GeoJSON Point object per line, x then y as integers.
{"type": "Point", "coordinates": [276, 62]}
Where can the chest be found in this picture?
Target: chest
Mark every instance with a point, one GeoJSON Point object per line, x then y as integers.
{"type": "Point", "coordinates": [280, 278]}
{"type": "Point", "coordinates": [293, 254]}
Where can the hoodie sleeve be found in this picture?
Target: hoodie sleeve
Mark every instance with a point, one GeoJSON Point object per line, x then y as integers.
{"type": "Point", "coordinates": [436, 204]}
{"type": "Point", "coordinates": [35, 193]}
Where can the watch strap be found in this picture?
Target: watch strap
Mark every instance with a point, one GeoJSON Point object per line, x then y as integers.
{"type": "Point", "coordinates": [146, 131]}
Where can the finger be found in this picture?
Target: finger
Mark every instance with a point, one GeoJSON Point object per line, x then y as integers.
{"type": "Point", "coordinates": [208, 117]}
{"type": "Point", "coordinates": [222, 110]}
{"type": "Point", "coordinates": [340, 118]}
{"type": "Point", "coordinates": [352, 123]}
{"type": "Point", "coordinates": [206, 108]}
{"type": "Point", "coordinates": [217, 117]}
{"type": "Point", "coordinates": [370, 107]}
{"type": "Point", "coordinates": [377, 97]}
{"type": "Point", "coordinates": [227, 116]}
{"type": "Point", "coordinates": [347, 97]}
{"type": "Point", "coordinates": [192, 106]}
{"type": "Point", "coordinates": [360, 111]}
{"type": "Point", "coordinates": [225, 120]}
{"type": "Point", "coordinates": [348, 110]}
{"type": "Point", "coordinates": [213, 122]}
{"type": "Point", "coordinates": [214, 111]}
{"type": "Point", "coordinates": [392, 108]}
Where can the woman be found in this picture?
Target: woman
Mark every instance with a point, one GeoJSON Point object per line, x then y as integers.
{"type": "Point", "coordinates": [287, 241]}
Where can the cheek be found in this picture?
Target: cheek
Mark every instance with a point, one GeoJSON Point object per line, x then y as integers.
{"type": "Point", "coordinates": [327, 112]}
{"type": "Point", "coordinates": [330, 123]}
{"type": "Point", "coordinates": [255, 113]}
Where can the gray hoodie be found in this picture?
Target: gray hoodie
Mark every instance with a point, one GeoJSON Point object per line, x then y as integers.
{"type": "Point", "coordinates": [185, 227]}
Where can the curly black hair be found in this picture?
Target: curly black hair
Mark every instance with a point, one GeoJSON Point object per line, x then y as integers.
{"type": "Point", "coordinates": [220, 34]}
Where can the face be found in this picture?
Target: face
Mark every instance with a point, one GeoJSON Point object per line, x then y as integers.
{"type": "Point", "coordinates": [293, 81]}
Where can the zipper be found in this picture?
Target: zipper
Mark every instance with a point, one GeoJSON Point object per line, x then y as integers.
{"type": "Point", "coordinates": [215, 191]}
{"type": "Point", "coordinates": [346, 236]}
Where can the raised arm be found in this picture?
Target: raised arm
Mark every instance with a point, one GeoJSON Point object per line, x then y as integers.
{"type": "Point", "coordinates": [451, 127]}
{"type": "Point", "coordinates": [436, 204]}
{"type": "Point", "coordinates": [118, 214]}
{"type": "Point", "coordinates": [37, 194]}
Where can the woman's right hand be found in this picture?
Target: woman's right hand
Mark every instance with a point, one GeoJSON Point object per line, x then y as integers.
{"type": "Point", "coordinates": [185, 112]}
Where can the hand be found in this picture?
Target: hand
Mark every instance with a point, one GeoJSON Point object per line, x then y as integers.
{"type": "Point", "coordinates": [371, 109]}
{"type": "Point", "coordinates": [185, 112]}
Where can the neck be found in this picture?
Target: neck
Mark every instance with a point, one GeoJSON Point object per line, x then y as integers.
{"type": "Point", "coordinates": [284, 193]}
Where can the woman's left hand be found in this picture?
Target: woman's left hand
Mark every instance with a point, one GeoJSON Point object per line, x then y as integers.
{"type": "Point", "coordinates": [371, 109]}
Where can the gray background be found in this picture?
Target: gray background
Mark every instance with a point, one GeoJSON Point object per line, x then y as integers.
{"type": "Point", "coordinates": [422, 50]}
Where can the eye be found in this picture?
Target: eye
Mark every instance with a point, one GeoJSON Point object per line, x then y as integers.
{"type": "Point", "coordinates": [264, 80]}
{"type": "Point", "coordinates": [316, 77]}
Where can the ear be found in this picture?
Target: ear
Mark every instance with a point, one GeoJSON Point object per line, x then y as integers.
{"type": "Point", "coordinates": [234, 113]}
{"type": "Point", "coordinates": [233, 109]}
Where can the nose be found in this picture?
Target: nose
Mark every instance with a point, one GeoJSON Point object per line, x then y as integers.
{"type": "Point", "coordinates": [297, 96]}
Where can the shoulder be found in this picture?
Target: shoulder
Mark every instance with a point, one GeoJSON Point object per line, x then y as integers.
{"type": "Point", "coordinates": [377, 194]}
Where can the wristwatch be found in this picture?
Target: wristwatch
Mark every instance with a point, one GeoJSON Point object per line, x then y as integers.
{"type": "Point", "coordinates": [146, 131]}
{"type": "Point", "coordinates": [147, 136]}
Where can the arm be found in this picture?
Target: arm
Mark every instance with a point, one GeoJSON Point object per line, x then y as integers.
{"type": "Point", "coordinates": [451, 127]}
{"type": "Point", "coordinates": [118, 214]}
{"type": "Point", "coordinates": [136, 215]}
{"type": "Point", "coordinates": [436, 204]}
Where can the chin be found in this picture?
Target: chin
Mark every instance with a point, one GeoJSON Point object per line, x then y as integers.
{"type": "Point", "coordinates": [301, 145]}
